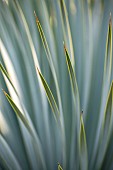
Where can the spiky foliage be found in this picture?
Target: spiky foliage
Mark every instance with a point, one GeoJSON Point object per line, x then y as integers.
{"type": "Point", "coordinates": [46, 83]}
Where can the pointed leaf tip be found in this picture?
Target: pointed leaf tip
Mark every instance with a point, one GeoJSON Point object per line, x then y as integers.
{"type": "Point", "coordinates": [82, 112]}
{"type": "Point", "coordinates": [4, 92]}
{"type": "Point", "coordinates": [34, 13]}
{"type": "Point", "coordinates": [64, 47]}
{"type": "Point", "coordinates": [50, 96]}
{"type": "Point", "coordinates": [38, 70]}
{"type": "Point", "coordinates": [110, 20]}
{"type": "Point", "coordinates": [37, 20]}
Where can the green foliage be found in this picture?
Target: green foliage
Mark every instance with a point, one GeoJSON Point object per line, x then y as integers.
{"type": "Point", "coordinates": [83, 146]}
{"type": "Point", "coordinates": [50, 96]}
{"type": "Point", "coordinates": [44, 85]}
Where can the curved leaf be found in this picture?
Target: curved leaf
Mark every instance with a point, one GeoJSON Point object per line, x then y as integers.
{"type": "Point", "coordinates": [7, 156]}
{"type": "Point", "coordinates": [105, 85]}
{"type": "Point", "coordinates": [29, 128]}
{"type": "Point", "coordinates": [65, 14]}
{"type": "Point", "coordinates": [51, 64]}
{"type": "Point", "coordinates": [75, 117]}
{"type": "Point", "coordinates": [18, 112]}
{"type": "Point", "coordinates": [71, 72]}
{"type": "Point", "coordinates": [106, 128]}
{"type": "Point", "coordinates": [8, 77]}
{"type": "Point", "coordinates": [50, 97]}
{"type": "Point", "coordinates": [52, 67]}
{"type": "Point", "coordinates": [4, 164]}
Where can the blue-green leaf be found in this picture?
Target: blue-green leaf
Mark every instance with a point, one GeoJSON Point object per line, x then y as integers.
{"type": "Point", "coordinates": [83, 146]}
{"type": "Point", "coordinates": [106, 128]}
{"type": "Point", "coordinates": [50, 97]}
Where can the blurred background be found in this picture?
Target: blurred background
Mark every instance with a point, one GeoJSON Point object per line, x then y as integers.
{"type": "Point", "coordinates": [84, 32]}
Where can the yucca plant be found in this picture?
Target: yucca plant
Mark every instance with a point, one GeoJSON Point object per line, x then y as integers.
{"type": "Point", "coordinates": [56, 85]}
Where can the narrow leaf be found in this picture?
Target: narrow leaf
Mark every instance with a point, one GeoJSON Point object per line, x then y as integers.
{"type": "Point", "coordinates": [3, 70]}
{"type": "Point", "coordinates": [65, 14]}
{"type": "Point", "coordinates": [106, 128]}
{"type": "Point", "coordinates": [108, 111]}
{"type": "Point", "coordinates": [76, 115]}
{"type": "Point", "coordinates": [18, 112]}
{"type": "Point", "coordinates": [71, 71]}
{"type": "Point", "coordinates": [7, 156]}
{"type": "Point", "coordinates": [108, 55]}
{"type": "Point", "coordinates": [31, 129]}
{"type": "Point", "coordinates": [50, 97]}
{"type": "Point", "coordinates": [105, 85]}
{"type": "Point", "coordinates": [44, 41]}
{"type": "Point", "coordinates": [51, 64]}
{"type": "Point", "coordinates": [47, 89]}
{"type": "Point", "coordinates": [83, 146]}
{"type": "Point", "coordinates": [4, 163]}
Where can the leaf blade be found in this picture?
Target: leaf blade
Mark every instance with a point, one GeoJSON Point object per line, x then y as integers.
{"type": "Point", "coordinates": [105, 85]}
{"type": "Point", "coordinates": [71, 71]}
{"type": "Point", "coordinates": [106, 127]}
{"type": "Point", "coordinates": [65, 13]}
{"type": "Point", "coordinates": [50, 97]}
{"type": "Point", "coordinates": [83, 146]}
{"type": "Point", "coordinates": [31, 130]}
{"type": "Point", "coordinates": [75, 115]}
{"type": "Point", "coordinates": [18, 112]}
{"type": "Point", "coordinates": [3, 70]}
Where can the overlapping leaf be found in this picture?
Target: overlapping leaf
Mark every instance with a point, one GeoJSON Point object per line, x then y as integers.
{"type": "Point", "coordinates": [106, 128]}
{"type": "Point", "coordinates": [7, 75]}
{"type": "Point", "coordinates": [50, 97]}
{"type": "Point", "coordinates": [64, 16]}
{"type": "Point", "coordinates": [75, 117]}
{"type": "Point", "coordinates": [105, 85]}
{"type": "Point", "coordinates": [28, 126]}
